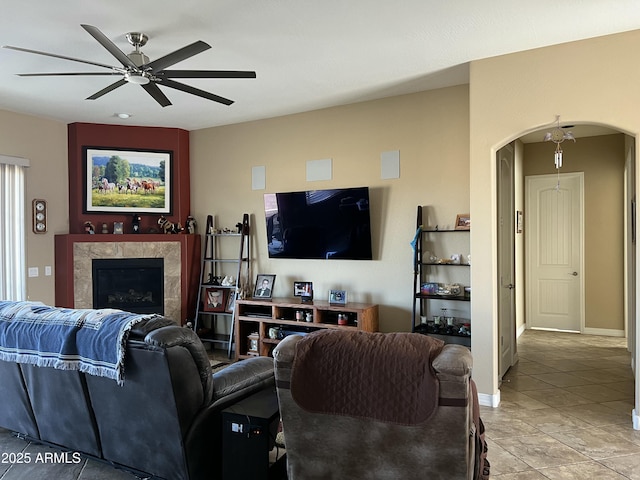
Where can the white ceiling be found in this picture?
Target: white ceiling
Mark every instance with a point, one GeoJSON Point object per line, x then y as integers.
{"type": "Point", "coordinates": [307, 54]}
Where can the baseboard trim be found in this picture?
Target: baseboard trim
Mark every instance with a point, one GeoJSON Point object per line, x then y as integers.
{"type": "Point", "coordinates": [606, 332]}
{"type": "Point", "coordinates": [487, 400]}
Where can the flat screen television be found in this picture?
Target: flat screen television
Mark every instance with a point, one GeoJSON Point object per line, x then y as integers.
{"type": "Point", "coordinates": [326, 224]}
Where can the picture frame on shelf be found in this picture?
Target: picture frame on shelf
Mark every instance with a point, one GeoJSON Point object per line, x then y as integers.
{"type": "Point", "coordinates": [303, 289]}
{"type": "Point", "coordinates": [463, 221]}
{"type": "Point", "coordinates": [118, 228]}
{"type": "Point", "coordinates": [253, 343]}
{"type": "Point", "coordinates": [264, 286]}
{"type": "Point", "coordinates": [215, 300]}
{"type": "Point", "coordinates": [145, 175]}
{"type": "Point", "coordinates": [231, 301]}
{"type": "Point", "coordinates": [338, 297]}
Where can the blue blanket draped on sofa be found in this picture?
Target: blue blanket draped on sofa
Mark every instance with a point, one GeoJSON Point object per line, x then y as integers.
{"type": "Point", "coordinates": [92, 341]}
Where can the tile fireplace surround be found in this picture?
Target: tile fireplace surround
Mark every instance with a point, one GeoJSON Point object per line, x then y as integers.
{"type": "Point", "coordinates": [74, 277]}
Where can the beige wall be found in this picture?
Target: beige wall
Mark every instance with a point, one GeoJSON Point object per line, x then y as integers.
{"type": "Point", "coordinates": [447, 140]}
{"type": "Point", "coordinates": [44, 144]}
{"type": "Point", "coordinates": [430, 129]}
{"type": "Point", "coordinates": [602, 161]}
{"type": "Point", "coordinates": [515, 94]}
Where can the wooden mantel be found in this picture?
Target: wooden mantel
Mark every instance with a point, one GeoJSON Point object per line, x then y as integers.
{"type": "Point", "coordinates": [189, 268]}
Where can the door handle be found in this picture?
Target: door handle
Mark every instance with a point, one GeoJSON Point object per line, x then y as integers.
{"type": "Point", "coordinates": [511, 286]}
{"type": "Point", "coordinates": [574, 274]}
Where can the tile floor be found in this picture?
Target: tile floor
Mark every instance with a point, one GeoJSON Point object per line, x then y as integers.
{"type": "Point", "coordinates": [565, 411]}
{"type": "Point", "coordinates": [565, 415]}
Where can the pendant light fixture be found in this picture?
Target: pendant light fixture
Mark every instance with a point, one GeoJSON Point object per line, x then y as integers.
{"type": "Point", "coordinates": [557, 136]}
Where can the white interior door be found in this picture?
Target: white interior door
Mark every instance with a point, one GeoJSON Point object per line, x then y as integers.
{"type": "Point", "coordinates": [506, 259]}
{"type": "Point", "coordinates": [554, 246]}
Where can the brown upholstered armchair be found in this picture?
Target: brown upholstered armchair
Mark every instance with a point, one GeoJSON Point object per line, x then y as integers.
{"type": "Point", "coordinates": [358, 405]}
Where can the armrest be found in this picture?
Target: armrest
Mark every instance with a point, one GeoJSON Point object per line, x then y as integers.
{"type": "Point", "coordinates": [174, 336]}
{"type": "Point", "coordinates": [285, 351]}
{"type": "Point", "coordinates": [455, 360]}
{"type": "Point", "coordinates": [242, 378]}
{"type": "Point", "coordinates": [453, 369]}
{"type": "Point", "coordinates": [142, 328]}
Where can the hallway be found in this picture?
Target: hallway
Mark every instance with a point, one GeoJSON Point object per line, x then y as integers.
{"type": "Point", "coordinates": [565, 411]}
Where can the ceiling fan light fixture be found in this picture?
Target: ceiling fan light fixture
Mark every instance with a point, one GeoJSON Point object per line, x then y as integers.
{"type": "Point", "coordinates": [136, 78]}
{"type": "Point", "coordinates": [137, 69]}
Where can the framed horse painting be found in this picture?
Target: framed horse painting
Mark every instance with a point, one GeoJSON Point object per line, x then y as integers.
{"type": "Point", "coordinates": [127, 181]}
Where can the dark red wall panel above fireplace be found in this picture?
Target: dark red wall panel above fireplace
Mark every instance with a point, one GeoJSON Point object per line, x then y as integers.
{"type": "Point", "coordinates": [134, 138]}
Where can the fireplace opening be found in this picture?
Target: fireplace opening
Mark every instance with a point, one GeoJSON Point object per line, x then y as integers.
{"type": "Point", "coordinates": [131, 284]}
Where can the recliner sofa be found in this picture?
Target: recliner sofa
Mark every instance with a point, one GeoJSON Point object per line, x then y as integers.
{"type": "Point", "coordinates": [164, 421]}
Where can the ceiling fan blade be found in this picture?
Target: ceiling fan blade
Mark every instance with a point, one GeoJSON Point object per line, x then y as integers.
{"type": "Point", "coordinates": [178, 56]}
{"type": "Point", "coordinates": [153, 90]}
{"type": "Point", "coordinates": [108, 89]}
{"type": "Point", "coordinates": [195, 91]}
{"type": "Point", "coordinates": [62, 74]}
{"type": "Point", "coordinates": [206, 74]}
{"type": "Point", "coordinates": [110, 46]}
{"type": "Point", "coordinates": [63, 57]}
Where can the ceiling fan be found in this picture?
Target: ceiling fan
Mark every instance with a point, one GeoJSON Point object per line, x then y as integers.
{"type": "Point", "coordinates": [137, 69]}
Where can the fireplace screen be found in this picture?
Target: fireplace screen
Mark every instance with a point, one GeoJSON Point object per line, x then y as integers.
{"type": "Point", "coordinates": [131, 284]}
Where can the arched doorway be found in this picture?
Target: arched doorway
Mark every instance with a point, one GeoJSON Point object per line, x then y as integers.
{"type": "Point", "coordinates": [530, 147]}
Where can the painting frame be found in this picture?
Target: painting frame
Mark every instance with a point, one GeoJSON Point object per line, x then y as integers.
{"type": "Point", "coordinates": [218, 294]}
{"type": "Point", "coordinates": [135, 192]}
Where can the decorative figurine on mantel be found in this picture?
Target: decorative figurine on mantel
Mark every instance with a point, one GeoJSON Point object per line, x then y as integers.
{"type": "Point", "coordinates": [168, 226]}
{"type": "Point", "coordinates": [89, 228]}
{"type": "Point", "coordinates": [191, 225]}
{"type": "Point", "coordinates": [135, 223]}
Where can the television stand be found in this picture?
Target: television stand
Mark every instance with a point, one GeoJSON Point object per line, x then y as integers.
{"type": "Point", "coordinates": [272, 320]}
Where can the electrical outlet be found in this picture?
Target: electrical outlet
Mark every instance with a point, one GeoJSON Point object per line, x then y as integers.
{"type": "Point", "coordinates": [47, 270]}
